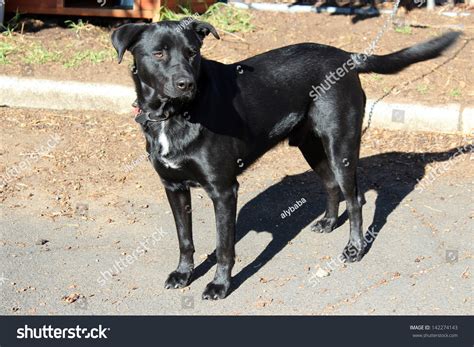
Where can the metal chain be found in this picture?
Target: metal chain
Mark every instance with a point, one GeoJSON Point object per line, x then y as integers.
{"type": "Point", "coordinates": [369, 119]}
{"type": "Point", "coordinates": [374, 43]}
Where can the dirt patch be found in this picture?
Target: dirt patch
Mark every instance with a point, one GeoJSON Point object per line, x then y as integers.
{"type": "Point", "coordinates": [98, 158]}
{"type": "Point", "coordinates": [63, 54]}
{"type": "Point", "coordinates": [86, 55]}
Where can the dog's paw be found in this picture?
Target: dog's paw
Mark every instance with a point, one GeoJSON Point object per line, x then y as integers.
{"type": "Point", "coordinates": [324, 225]}
{"type": "Point", "coordinates": [215, 291]}
{"type": "Point", "coordinates": [178, 280]}
{"type": "Point", "coordinates": [353, 253]}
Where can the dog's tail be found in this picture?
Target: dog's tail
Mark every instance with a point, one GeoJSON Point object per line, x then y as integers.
{"type": "Point", "coordinates": [395, 62]}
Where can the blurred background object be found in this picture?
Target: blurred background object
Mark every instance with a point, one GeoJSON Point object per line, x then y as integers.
{"type": "Point", "coordinates": [147, 9]}
{"type": "Point", "coordinates": [2, 11]}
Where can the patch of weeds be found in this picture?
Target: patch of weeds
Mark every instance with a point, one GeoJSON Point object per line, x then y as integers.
{"type": "Point", "coordinates": [9, 27]}
{"type": "Point", "coordinates": [5, 50]}
{"type": "Point", "coordinates": [223, 16]}
{"type": "Point", "coordinates": [38, 54]}
{"type": "Point", "coordinates": [422, 88]}
{"type": "Point", "coordinates": [167, 14]}
{"type": "Point", "coordinates": [405, 29]}
{"type": "Point", "coordinates": [455, 93]}
{"type": "Point", "coordinates": [94, 57]}
{"type": "Point", "coordinates": [77, 27]}
{"type": "Point", "coordinates": [229, 18]}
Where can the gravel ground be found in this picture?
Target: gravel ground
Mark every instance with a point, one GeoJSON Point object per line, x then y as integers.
{"type": "Point", "coordinates": [90, 199]}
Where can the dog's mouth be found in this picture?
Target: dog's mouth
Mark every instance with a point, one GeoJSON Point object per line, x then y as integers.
{"type": "Point", "coordinates": [176, 95]}
{"type": "Point", "coordinates": [166, 102]}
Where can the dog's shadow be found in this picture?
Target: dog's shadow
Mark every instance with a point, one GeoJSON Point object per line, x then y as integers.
{"type": "Point", "coordinates": [392, 175]}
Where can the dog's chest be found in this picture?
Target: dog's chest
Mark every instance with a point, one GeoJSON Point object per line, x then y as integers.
{"type": "Point", "coordinates": [163, 142]}
{"type": "Point", "coordinates": [171, 143]}
{"type": "Point", "coordinates": [164, 149]}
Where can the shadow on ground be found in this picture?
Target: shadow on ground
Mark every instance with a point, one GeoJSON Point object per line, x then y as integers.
{"type": "Point", "coordinates": [392, 175]}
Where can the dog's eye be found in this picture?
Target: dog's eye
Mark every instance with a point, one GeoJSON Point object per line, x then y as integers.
{"type": "Point", "coordinates": [192, 53]}
{"type": "Point", "coordinates": [159, 54]}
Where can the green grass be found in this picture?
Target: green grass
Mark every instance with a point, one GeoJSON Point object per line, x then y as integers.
{"type": "Point", "coordinates": [406, 30]}
{"type": "Point", "coordinates": [10, 26]}
{"type": "Point", "coordinates": [455, 93]}
{"type": "Point", "coordinates": [38, 55]}
{"type": "Point", "coordinates": [228, 18]}
{"type": "Point", "coordinates": [77, 27]}
{"type": "Point", "coordinates": [5, 50]}
{"type": "Point", "coordinates": [422, 88]}
{"type": "Point", "coordinates": [94, 57]}
{"type": "Point", "coordinates": [167, 14]}
{"type": "Point", "coordinates": [222, 16]}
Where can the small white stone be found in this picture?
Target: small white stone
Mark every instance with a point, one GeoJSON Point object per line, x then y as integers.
{"type": "Point", "coordinates": [322, 273]}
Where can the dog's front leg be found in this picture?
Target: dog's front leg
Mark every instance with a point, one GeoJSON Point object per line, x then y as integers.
{"type": "Point", "coordinates": [180, 202]}
{"type": "Point", "coordinates": [225, 207]}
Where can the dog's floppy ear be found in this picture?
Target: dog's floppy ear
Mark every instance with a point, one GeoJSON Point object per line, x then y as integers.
{"type": "Point", "coordinates": [125, 36]}
{"type": "Point", "coordinates": [203, 29]}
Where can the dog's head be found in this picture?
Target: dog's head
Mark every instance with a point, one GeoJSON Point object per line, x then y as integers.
{"type": "Point", "coordinates": [166, 54]}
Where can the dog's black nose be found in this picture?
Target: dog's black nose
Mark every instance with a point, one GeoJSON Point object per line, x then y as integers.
{"type": "Point", "coordinates": [184, 84]}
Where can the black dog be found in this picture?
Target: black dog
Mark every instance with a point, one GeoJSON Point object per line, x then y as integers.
{"type": "Point", "coordinates": [205, 122]}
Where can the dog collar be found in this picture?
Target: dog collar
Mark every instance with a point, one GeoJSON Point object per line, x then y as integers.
{"type": "Point", "coordinates": [143, 117]}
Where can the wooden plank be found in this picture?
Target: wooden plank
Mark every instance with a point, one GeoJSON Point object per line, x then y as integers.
{"type": "Point", "coordinates": [149, 4]}
{"type": "Point", "coordinates": [142, 8]}
{"type": "Point", "coordinates": [147, 14]}
{"type": "Point", "coordinates": [12, 5]}
{"type": "Point", "coordinates": [102, 12]}
{"type": "Point", "coordinates": [199, 6]}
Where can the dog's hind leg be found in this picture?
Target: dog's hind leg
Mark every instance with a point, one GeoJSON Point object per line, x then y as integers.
{"type": "Point", "coordinates": [313, 151]}
{"type": "Point", "coordinates": [339, 128]}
